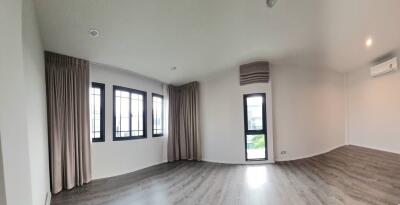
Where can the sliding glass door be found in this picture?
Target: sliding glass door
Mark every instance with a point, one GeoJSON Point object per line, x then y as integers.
{"type": "Point", "coordinates": [255, 126]}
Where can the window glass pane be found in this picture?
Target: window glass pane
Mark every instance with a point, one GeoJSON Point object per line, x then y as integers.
{"type": "Point", "coordinates": [121, 113]}
{"type": "Point", "coordinates": [97, 117]}
{"type": "Point", "coordinates": [135, 123]}
{"type": "Point", "coordinates": [140, 113]}
{"type": "Point", "coordinates": [96, 114]}
{"type": "Point", "coordinates": [125, 134]}
{"type": "Point", "coordinates": [97, 102]}
{"type": "Point", "coordinates": [117, 114]}
{"type": "Point", "coordinates": [124, 124]}
{"type": "Point", "coordinates": [137, 114]}
{"type": "Point", "coordinates": [91, 108]}
{"type": "Point", "coordinates": [154, 119]}
{"type": "Point", "coordinates": [254, 113]}
{"type": "Point", "coordinates": [255, 146]}
{"type": "Point", "coordinates": [154, 113]}
{"type": "Point", "coordinates": [157, 115]}
{"type": "Point", "coordinates": [124, 94]}
{"type": "Point", "coordinates": [124, 112]}
{"type": "Point", "coordinates": [124, 105]}
{"type": "Point", "coordinates": [97, 125]}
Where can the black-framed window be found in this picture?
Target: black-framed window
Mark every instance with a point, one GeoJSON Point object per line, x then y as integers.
{"type": "Point", "coordinates": [255, 126]}
{"type": "Point", "coordinates": [158, 124]}
{"type": "Point", "coordinates": [129, 121]}
{"type": "Point", "coordinates": [97, 118]}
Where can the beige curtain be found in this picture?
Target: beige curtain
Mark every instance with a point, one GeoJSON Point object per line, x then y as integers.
{"type": "Point", "coordinates": [184, 135]}
{"type": "Point", "coordinates": [67, 83]}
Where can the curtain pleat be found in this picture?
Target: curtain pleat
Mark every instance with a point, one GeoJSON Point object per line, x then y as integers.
{"type": "Point", "coordinates": [67, 84]}
{"type": "Point", "coordinates": [256, 72]}
{"type": "Point", "coordinates": [184, 135]}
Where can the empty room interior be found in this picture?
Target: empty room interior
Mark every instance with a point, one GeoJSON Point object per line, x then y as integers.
{"type": "Point", "coordinates": [207, 102]}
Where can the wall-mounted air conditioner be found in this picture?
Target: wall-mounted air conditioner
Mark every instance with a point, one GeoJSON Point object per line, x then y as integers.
{"type": "Point", "coordinates": [389, 66]}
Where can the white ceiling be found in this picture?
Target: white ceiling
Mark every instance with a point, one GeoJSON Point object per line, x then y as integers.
{"type": "Point", "coordinates": [200, 37]}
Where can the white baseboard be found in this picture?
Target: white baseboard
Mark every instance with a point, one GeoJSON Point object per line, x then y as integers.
{"type": "Point", "coordinates": [309, 155]}
{"type": "Point", "coordinates": [48, 198]}
{"type": "Point", "coordinates": [239, 163]}
{"type": "Point", "coordinates": [277, 159]}
{"type": "Point", "coordinates": [94, 177]}
{"type": "Point", "coordinates": [377, 148]}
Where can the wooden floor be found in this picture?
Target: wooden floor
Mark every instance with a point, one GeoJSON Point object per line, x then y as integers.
{"type": "Point", "coordinates": [348, 175]}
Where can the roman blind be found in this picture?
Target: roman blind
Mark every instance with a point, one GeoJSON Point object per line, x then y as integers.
{"type": "Point", "coordinates": [255, 72]}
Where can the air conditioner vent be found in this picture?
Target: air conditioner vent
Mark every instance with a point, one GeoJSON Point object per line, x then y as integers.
{"type": "Point", "coordinates": [385, 67]}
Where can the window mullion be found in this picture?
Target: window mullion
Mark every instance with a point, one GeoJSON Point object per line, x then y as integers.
{"type": "Point", "coordinates": [138, 104]}
{"type": "Point", "coordinates": [156, 115]}
{"type": "Point", "coordinates": [120, 115]}
{"type": "Point", "coordinates": [153, 115]}
{"type": "Point", "coordinates": [93, 114]}
{"type": "Point", "coordinates": [252, 132]}
{"type": "Point", "coordinates": [130, 114]}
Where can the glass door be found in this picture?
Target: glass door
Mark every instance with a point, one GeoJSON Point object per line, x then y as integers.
{"type": "Point", "coordinates": [255, 126]}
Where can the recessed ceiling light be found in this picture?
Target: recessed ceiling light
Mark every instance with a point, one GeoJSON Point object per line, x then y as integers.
{"type": "Point", "coordinates": [369, 42]}
{"type": "Point", "coordinates": [94, 33]}
{"type": "Point", "coordinates": [271, 3]}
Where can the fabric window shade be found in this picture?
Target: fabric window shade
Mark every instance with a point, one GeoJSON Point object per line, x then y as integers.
{"type": "Point", "coordinates": [256, 72]}
{"type": "Point", "coordinates": [67, 84]}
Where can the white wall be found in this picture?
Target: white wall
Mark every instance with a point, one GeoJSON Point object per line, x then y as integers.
{"type": "Point", "coordinates": [374, 112]}
{"type": "Point", "coordinates": [111, 158]}
{"type": "Point", "coordinates": [222, 117]}
{"type": "Point", "coordinates": [36, 110]}
{"type": "Point", "coordinates": [13, 125]}
{"type": "Point", "coordinates": [308, 113]}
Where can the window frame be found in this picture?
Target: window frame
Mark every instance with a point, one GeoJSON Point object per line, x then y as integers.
{"type": "Point", "coordinates": [255, 132]}
{"type": "Point", "coordinates": [102, 87]}
{"type": "Point", "coordinates": [144, 117]}
{"type": "Point", "coordinates": [162, 115]}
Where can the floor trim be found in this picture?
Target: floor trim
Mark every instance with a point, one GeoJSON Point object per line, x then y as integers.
{"type": "Point", "coordinates": [310, 155]}
{"type": "Point", "coordinates": [48, 198]}
{"type": "Point", "coordinates": [376, 148]}
{"type": "Point", "coordinates": [240, 163]}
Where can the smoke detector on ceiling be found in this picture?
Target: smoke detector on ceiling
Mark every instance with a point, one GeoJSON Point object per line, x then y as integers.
{"type": "Point", "coordinates": [271, 3]}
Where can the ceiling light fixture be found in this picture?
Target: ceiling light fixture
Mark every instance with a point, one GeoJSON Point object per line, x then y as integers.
{"type": "Point", "coordinates": [173, 68]}
{"type": "Point", "coordinates": [271, 3]}
{"type": "Point", "coordinates": [94, 33]}
{"type": "Point", "coordinates": [369, 42]}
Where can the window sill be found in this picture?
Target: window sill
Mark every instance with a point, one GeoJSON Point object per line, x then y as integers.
{"type": "Point", "coordinates": [98, 140]}
{"type": "Point", "coordinates": [256, 160]}
{"type": "Point", "coordinates": [128, 138]}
